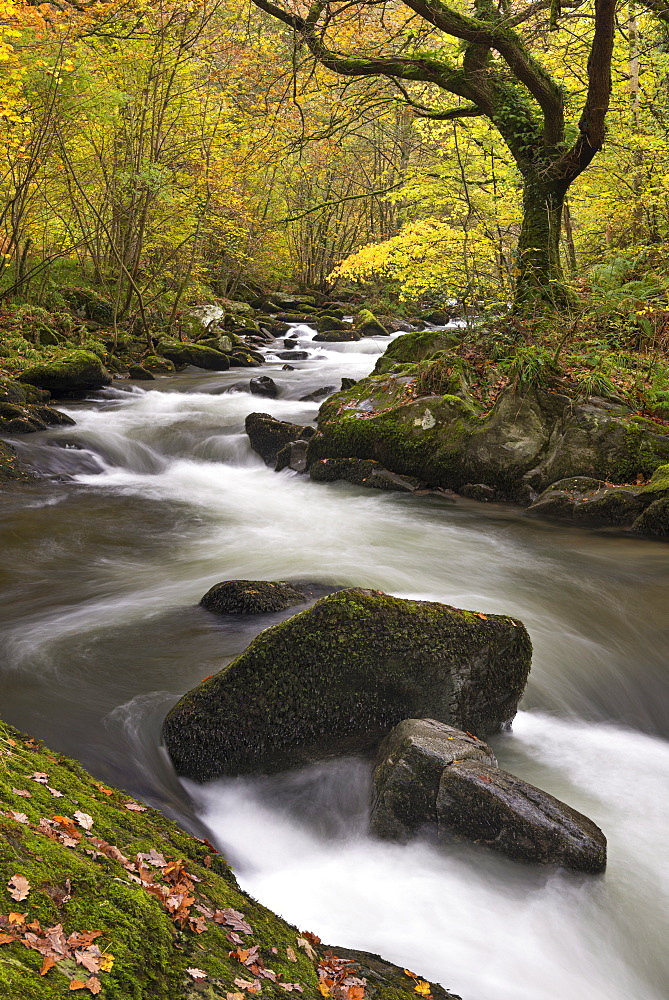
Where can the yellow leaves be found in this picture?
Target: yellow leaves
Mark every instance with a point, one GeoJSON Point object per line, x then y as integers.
{"type": "Point", "coordinates": [423, 989]}
{"type": "Point", "coordinates": [107, 962]}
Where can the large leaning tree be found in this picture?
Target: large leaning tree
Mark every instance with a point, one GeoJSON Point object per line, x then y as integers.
{"type": "Point", "coordinates": [448, 62]}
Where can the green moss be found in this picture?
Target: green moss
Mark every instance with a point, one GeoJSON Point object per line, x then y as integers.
{"type": "Point", "coordinates": [71, 372]}
{"type": "Point", "coordinates": [414, 347]}
{"type": "Point", "coordinates": [151, 954]}
{"type": "Point", "coordinates": [659, 482]}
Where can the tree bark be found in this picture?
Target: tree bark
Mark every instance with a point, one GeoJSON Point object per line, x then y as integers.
{"type": "Point", "coordinates": [539, 276]}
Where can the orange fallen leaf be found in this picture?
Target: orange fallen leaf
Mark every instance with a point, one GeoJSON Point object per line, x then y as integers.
{"type": "Point", "coordinates": [76, 984]}
{"type": "Point", "coordinates": [17, 918]}
{"type": "Point", "coordinates": [47, 964]}
{"type": "Point", "coordinates": [6, 938]}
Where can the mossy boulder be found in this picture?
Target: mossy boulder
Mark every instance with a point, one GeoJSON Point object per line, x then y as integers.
{"type": "Point", "coordinates": [244, 358]}
{"type": "Point", "coordinates": [252, 597]}
{"type": "Point", "coordinates": [334, 679]}
{"type": "Point", "coordinates": [12, 391]}
{"type": "Point", "coordinates": [368, 325]}
{"type": "Point", "coordinates": [268, 435]}
{"type": "Point", "coordinates": [327, 324]}
{"type": "Point", "coordinates": [73, 372]}
{"type": "Point", "coordinates": [657, 487]}
{"type": "Point", "coordinates": [194, 354]}
{"type": "Point", "coordinates": [114, 886]}
{"type": "Point", "coordinates": [526, 442]}
{"type": "Point", "coordinates": [140, 373]}
{"type": "Point", "coordinates": [413, 347]}
{"type": "Point", "coordinates": [654, 520]}
{"type": "Point", "coordinates": [409, 766]}
{"type": "Point", "coordinates": [153, 363]}
{"type": "Point", "coordinates": [337, 336]}
{"type": "Point", "coordinates": [90, 304]}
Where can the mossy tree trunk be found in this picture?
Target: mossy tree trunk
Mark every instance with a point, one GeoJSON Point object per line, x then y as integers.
{"type": "Point", "coordinates": [498, 77]}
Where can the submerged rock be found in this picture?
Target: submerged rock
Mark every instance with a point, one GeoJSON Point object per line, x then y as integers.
{"type": "Point", "coordinates": [406, 780]}
{"type": "Point", "coordinates": [269, 435]}
{"type": "Point", "coordinates": [484, 804]}
{"type": "Point", "coordinates": [252, 597]}
{"type": "Point", "coordinates": [336, 678]}
{"type": "Point", "coordinates": [74, 372]}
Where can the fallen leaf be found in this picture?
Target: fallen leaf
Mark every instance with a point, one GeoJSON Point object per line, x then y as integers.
{"type": "Point", "coordinates": [234, 996]}
{"type": "Point", "coordinates": [479, 614]}
{"type": "Point", "coordinates": [76, 984]}
{"type": "Point", "coordinates": [19, 886]}
{"type": "Point", "coordinates": [107, 962]}
{"type": "Point", "coordinates": [306, 946]}
{"type": "Point", "coordinates": [22, 792]}
{"type": "Point", "coordinates": [19, 817]}
{"type": "Point", "coordinates": [105, 791]}
{"type": "Point", "coordinates": [6, 938]}
{"type": "Point", "coordinates": [245, 984]}
{"type": "Point", "coordinates": [39, 776]}
{"type": "Point", "coordinates": [134, 807]}
{"type": "Point", "coordinates": [197, 974]}
{"type": "Point", "coordinates": [292, 957]}
{"type": "Point", "coordinates": [423, 988]}
{"type": "Point", "coordinates": [406, 971]}
{"type": "Point", "coordinates": [84, 820]}
{"type": "Point", "coordinates": [233, 918]}
{"type": "Point", "coordinates": [17, 918]}
{"type": "Point", "coordinates": [54, 791]}
{"type": "Point", "coordinates": [47, 964]}
{"type": "Point", "coordinates": [93, 984]}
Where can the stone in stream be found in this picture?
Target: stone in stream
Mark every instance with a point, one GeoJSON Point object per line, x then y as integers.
{"type": "Point", "coordinates": [292, 456]}
{"type": "Point", "coordinates": [140, 373]}
{"type": "Point", "coordinates": [263, 385]}
{"type": "Point", "coordinates": [368, 325]}
{"type": "Point", "coordinates": [318, 394]}
{"type": "Point", "coordinates": [654, 521]}
{"type": "Point", "coordinates": [489, 806]}
{"type": "Point", "coordinates": [293, 355]}
{"type": "Point", "coordinates": [194, 354]}
{"type": "Point", "coordinates": [336, 678]}
{"type": "Point", "coordinates": [74, 372]}
{"type": "Point", "coordinates": [339, 336]}
{"type": "Point", "coordinates": [411, 760]}
{"type": "Point", "coordinates": [289, 343]}
{"type": "Point", "coordinates": [434, 777]}
{"type": "Point", "coordinates": [287, 368]}
{"type": "Point", "coordinates": [269, 435]}
{"type": "Point", "coordinates": [362, 472]}
{"type": "Point", "coordinates": [252, 597]}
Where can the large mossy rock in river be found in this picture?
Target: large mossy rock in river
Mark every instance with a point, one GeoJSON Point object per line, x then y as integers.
{"type": "Point", "coordinates": [411, 760]}
{"type": "Point", "coordinates": [489, 806]}
{"type": "Point", "coordinates": [194, 354]}
{"type": "Point", "coordinates": [252, 597]}
{"type": "Point", "coordinates": [118, 898]}
{"type": "Point", "coordinates": [523, 444]}
{"type": "Point", "coordinates": [337, 677]}
{"type": "Point", "coordinates": [74, 372]}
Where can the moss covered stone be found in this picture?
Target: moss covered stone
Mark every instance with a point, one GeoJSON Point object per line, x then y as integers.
{"type": "Point", "coordinates": [73, 372]}
{"type": "Point", "coordinates": [104, 887]}
{"type": "Point", "coordinates": [363, 472]}
{"type": "Point", "coordinates": [335, 678]}
{"type": "Point", "coordinates": [654, 520]}
{"type": "Point", "coordinates": [194, 354]}
{"type": "Point", "coordinates": [368, 325]}
{"type": "Point", "coordinates": [412, 347]}
{"type": "Point", "coordinates": [268, 435]}
{"type": "Point", "coordinates": [339, 335]}
{"type": "Point", "coordinates": [252, 597]}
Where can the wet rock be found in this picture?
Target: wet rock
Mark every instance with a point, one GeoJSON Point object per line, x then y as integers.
{"type": "Point", "coordinates": [318, 394]}
{"type": "Point", "coordinates": [277, 327]}
{"type": "Point", "coordinates": [194, 354]}
{"type": "Point", "coordinates": [140, 373]}
{"type": "Point", "coordinates": [411, 760]}
{"type": "Point", "coordinates": [336, 678]}
{"type": "Point", "coordinates": [654, 521]}
{"type": "Point", "coordinates": [348, 383]}
{"type": "Point", "coordinates": [287, 368]}
{"type": "Point", "coordinates": [74, 372]}
{"type": "Point", "coordinates": [289, 344]}
{"type": "Point", "coordinates": [153, 363]}
{"type": "Point", "coordinates": [489, 806]}
{"type": "Point", "coordinates": [263, 385]}
{"type": "Point", "coordinates": [368, 325]}
{"type": "Point", "coordinates": [52, 417]}
{"type": "Point", "coordinates": [294, 317]}
{"type": "Point", "coordinates": [252, 597]}
{"type": "Point", "coordinates": [362, 472]}
{"type": "Point", "coordinates": [12, 391]}
{"type": "Point", "coordinates": [618, 507]}
{"type": "Point", "coordinates": [340, 336]}
{"type": "Point", "coordinates": [478, 491]}
{"type": "Point", "coordinates": [245, 359]}
{"type": "Point", "coordinates": [292, 456]}
{"type": "Point", "coordinates": [269, 435]}
{"type": "Point", "coordinates": [588, 501]}
{"type": "Point", "coordinates": [293, 355]}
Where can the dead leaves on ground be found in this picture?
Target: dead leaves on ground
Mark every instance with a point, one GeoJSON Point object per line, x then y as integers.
{"type": "Point", "coordinates": [54, 945]}
{"type": "Point", "coordinates": [19, 887]}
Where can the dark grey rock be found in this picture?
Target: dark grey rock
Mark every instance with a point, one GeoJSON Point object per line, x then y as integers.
{"type": "Point", "coordinates": [269, 435]}
{"type": "Point", "coordinates": [363, 472]}
{"type": "Point", "coordinates": [318, 394]}
{"type": "Point", "coordinates": [263, 385]}
{"type": "Point", "coordinates": [251, 597]}
{"type": "Point", "coordinates": [292, 456]}
{"type": "Point", "coordinates": [478, 491]}
{"type": "Point", "coordinates": [654, 521]}
{"type": "Point", "coordinates": [410, 763]}
{"type": "Point", "coordinates": [484, 804]}
{"type": "Point", "coordinates": [293, 355]}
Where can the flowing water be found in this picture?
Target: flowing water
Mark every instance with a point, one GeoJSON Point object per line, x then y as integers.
{"type": "Point", "coordinates": [155, 495]}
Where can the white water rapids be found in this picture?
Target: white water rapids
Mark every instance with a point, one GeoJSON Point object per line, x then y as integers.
{"type": "Point", "coordinates": [163, 497]}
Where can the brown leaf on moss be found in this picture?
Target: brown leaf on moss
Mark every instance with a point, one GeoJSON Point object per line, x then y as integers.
{"type": "Point", "coordinates": [6, 938]}
{"type": "Point", "coordinates": [292, 957]}
{"type": "Point", "coordinates": [197, 974]}
{"type": "Point", "coordinates": [22, 792]}
{"type": "Point", "coordinates": [234, 919]}
{"type": "Point", "coordinates": [246, 984]}
{"type": "Point", "coordinates": [47, 964]}
{"type": "Point", "coordinates": [19, 887]}
{"type": "Point", "coordinates": [84, 820]}
{"type": "Point", "coordinates": [135, 807]}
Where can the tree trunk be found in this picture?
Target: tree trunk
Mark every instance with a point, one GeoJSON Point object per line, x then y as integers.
{"type": "Point", "coordinates": [539, 276]}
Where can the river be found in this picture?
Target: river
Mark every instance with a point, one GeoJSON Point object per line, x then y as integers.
{"type": "Point", "coordinates": [155, 495]}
